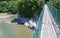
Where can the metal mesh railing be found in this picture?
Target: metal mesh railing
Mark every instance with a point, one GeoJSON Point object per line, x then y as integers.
{"type": "Point", "coordinates": [56, 15]}
{"type": "Point", "coordinates": [38, 27]}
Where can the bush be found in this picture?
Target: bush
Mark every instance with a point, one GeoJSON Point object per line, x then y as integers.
{"type": "Point", "coordinates": [12, 7]}
{"type": "Point", "coordinates": [3, 6]}
{"type": "Point", "coordinates": [8, 6]}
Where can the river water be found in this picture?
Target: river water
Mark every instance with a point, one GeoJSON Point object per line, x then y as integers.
{"type": "Point", "coordinates": [5, 31]}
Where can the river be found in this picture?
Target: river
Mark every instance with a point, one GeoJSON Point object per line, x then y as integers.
{"type": "Point", "coordinates": [5, 31]}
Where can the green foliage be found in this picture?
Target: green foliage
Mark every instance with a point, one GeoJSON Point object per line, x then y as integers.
{"type": "Point", "coordinates": [3, 6]}
{"type": "Point", "coordinates": [25, 7]}
{"type": "Point", "coordinates": [8, 6]}
{"type": "Point", "coordinates": [12, 7]}
{"type": "Point", "coordinates": [28, 8]}
{"type": "Point", "coordinates": [55, 3]}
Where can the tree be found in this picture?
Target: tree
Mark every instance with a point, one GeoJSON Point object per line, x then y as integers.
{"type": "Point", "coordinates": [3, 6]}
{"type": "Point", "coordinates": [12, 7]}
{"type": "Point", "coordinates": [28, 8]}
{"type": "Point", "coordinates": [8, 6]}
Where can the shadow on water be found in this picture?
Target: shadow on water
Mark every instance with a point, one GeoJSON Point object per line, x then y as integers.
{"type": "Point", "coordinates": [5, 31]}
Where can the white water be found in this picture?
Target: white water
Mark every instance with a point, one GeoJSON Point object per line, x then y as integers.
{"type": "Point", "coordinates": [49, 27]}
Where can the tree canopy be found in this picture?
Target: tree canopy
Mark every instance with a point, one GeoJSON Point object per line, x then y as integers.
{"type": "Point", "coordinates": [27, 8]}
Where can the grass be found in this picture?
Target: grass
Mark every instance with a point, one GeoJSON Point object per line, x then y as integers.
{"type": "Point", "coordinates": [20, 30]}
